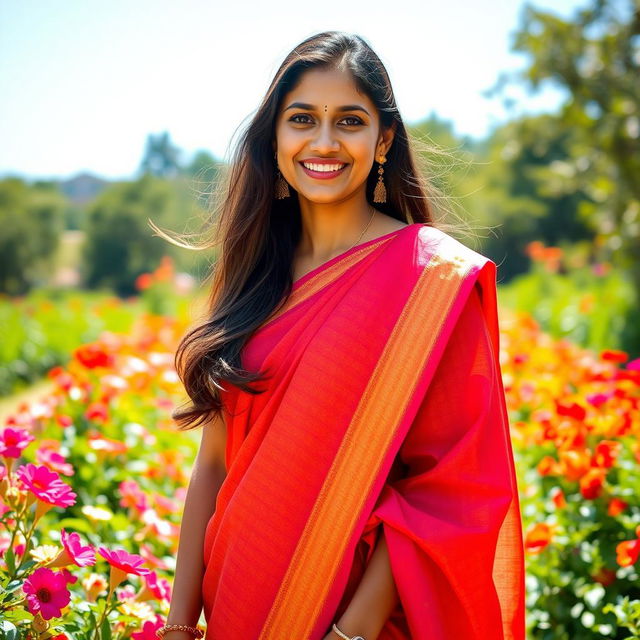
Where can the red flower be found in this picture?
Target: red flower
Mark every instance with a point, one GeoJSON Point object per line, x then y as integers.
{"type": "Point", "coordinates": [606, 453]}
{"type": "Point", "coordinates": [97, 411]}
{"type": "Point", "coordinates": [571, 410]}
{"type": "Point", "coordinates": [613, 355]}
{"type": "Point", "coordinates": [605, 576]}
{"type": "Point", "coordinates": [93, 355]}
{"type": "Point", "coordinates": [591, 483]}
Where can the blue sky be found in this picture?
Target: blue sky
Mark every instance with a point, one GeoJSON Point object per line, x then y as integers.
{"type": "Point", "coordinates": [84, 83]}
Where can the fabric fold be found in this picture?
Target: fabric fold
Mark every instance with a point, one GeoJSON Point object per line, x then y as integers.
{"type": "Point", "coordinates": [443, 521]}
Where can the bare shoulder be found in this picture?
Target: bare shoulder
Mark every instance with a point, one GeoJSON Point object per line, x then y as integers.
{"type": "Point", "coordinates": [383, 224]}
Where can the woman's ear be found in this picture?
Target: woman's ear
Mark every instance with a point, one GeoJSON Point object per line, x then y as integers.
{"type": "Point", "coordinates": [386, 138]}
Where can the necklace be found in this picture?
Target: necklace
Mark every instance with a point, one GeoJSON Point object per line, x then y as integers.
{"type": "Point", "coordinates": [373, 211]}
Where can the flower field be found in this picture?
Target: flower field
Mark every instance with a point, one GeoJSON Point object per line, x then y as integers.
{"type": "Point", "coordinates": [94, 474]}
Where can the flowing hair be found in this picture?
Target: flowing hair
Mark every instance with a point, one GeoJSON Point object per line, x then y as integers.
{"type": "Point", "coordinates": [256, 235]}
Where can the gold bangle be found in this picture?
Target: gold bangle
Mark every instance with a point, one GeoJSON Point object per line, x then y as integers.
{"type": "Point", "coordinates": [198, 633]}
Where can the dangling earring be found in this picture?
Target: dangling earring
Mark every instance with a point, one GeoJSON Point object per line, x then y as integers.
{"type": "Point", "coordinates": [380, 192]}
{"type": "Point", "coordinates": [281, 188]}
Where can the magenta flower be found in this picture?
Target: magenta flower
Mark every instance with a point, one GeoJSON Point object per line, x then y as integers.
{"type": "Point", "coordinates": [46, 593]}
{"type": "Point", "coordinates": [54, 460]}
{"type": "Point", "coordinates": [149, 629]}
{"type": "Point", "coordinates": [125, 561]}
{"type": "Point", "coordinates": [13, 441]}
{"type": "Point", "coordinates": [46, 485]}
{"type": "Point", "coordinates": [73, 552]}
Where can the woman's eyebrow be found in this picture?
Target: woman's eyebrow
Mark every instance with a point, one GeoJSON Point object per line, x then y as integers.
{"type": "Point", "coordinates": [311, 107]}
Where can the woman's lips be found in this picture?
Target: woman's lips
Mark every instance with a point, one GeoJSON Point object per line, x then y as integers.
{"type": "Point", "coordinates": [323, 175]}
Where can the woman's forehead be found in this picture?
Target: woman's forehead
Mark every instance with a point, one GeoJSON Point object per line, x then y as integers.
{"type": "Point", "coordinates": [321, 87]}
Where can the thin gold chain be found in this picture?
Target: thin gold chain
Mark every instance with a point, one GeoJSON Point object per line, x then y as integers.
{"type": "Point", "coordinates": [373, 211]}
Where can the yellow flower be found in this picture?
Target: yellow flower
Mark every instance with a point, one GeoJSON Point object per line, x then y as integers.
{"type": "Point", "coordinates": [140, 610]}
{"type": "Point", "coordinates": [45, 552]}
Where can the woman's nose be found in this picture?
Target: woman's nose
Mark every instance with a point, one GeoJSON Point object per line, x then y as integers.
{"type": "Point", "coordinates": [325, 140]}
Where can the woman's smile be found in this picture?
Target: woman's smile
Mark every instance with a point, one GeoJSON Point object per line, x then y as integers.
{"type": "Point", "coordinates": [323, 170]}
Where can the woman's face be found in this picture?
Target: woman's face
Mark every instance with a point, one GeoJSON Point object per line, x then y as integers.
{"type": "Point", "coordinates": [325, 121]}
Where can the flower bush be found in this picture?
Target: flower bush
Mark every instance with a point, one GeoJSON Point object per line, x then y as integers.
{"type": "Point", "coordinates": [575, 418]}
{"type": "Point", "coordinates": [92, 481]}
{"type": "Point", "coordinates": [94, 475]}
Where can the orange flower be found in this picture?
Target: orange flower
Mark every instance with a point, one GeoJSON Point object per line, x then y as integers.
{"type": "Point", "coordinates": [616, 506]}
{"type": "Point", "coordinates": [574, 463]}
{"type": "Point", "coordinates": [557, 495]}
{"type": "Point", "coordinates": [591, 483]}
{"type": "Point", "coordinates": [627, 552]}
{"type": "Point", "coordinates": [538, 537]}
{"type": "Point", "coordinates": [548, 466]}
{"type": "Point", "coordinates": [143, 281]}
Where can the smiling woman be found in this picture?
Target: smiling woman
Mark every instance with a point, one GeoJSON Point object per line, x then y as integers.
{"type": "Point", "coordinates": [351, 346]}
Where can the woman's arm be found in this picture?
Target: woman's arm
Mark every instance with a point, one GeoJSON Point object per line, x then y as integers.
{"type": "Point", "coordinates": [207, 476]}
{"type": "Point", "coordinates": [374, 599]}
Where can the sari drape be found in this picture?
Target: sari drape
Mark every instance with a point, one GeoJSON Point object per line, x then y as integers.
{"type": "Point", "coordinates": [384, 414]}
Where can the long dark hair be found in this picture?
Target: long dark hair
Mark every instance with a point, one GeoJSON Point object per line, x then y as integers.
{"type": "Point", "coordinates": [256, 235]}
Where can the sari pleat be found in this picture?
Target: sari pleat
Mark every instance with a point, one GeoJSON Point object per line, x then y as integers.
{"type": "Point", "coordinates": [383, 414]}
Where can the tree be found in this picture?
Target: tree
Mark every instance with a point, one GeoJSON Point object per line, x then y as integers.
{"type": "Point", "coordinates": [120, 245]}
{"type": "Point", "coordinates": [161, 158]}
{"type": "Point", "coordinates": [595, 57]}
{"type": "Point", "coordinates": [31, 221]}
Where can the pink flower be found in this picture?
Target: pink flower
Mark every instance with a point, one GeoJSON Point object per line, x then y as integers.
{"type": "Point", "coordinates": [125, 561]}
{"type": "Point", "coordinates": [154, 589]}
{"type": "Point", "coordinates": [46, 593]}
{"type": "Point", "coordinates": [54, 460]}
{"type": "Point", "coordinates": [46, 485]}
{"type": "Point", "coordinates": [149, 629]}
{"type": "Point", "coordinates": [73, 552]}
{"type": "Point", "coordinates": [13, 441]}
{"type": "Point", "coordinates": [133, 496]}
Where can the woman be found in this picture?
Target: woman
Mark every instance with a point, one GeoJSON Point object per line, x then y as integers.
{"type": "Point", "coordinates": [351, 348]}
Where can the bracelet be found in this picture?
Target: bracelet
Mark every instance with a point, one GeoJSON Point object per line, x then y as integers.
{"type": "Point", "coordinates": [198, 633]}
{"type": "Point", "coordinates": [344, 636]}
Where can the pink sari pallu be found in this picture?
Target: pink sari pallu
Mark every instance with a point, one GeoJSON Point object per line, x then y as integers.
{"type": "Point", "coordinates": [384, 414]}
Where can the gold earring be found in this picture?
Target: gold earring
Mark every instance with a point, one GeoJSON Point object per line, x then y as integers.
{"type": "Point", "coordinates": [380, 192]}
{"type": "Point", "coordinates": [281, 188]}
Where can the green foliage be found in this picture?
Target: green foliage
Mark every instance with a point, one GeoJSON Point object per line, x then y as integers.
{"type": "Point", "coordinates": [31, 221]}
{"type": "Point", "coordinates": [596, 312]}
{"type": "Point", "coordinates": [41, 330]}
{"type": "Point", "coordinates": [120, 245]}
{"type": "Point", "coordinates": [595, 57]}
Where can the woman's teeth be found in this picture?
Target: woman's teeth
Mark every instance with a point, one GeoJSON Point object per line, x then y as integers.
{"type": "Point", "coordinates": [323, 167]}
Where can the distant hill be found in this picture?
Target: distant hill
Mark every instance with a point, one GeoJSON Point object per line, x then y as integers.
{"type": "Point", "coordinates": [83, 187]}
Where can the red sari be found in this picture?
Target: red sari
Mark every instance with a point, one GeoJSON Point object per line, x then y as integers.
{"type": "Point", "coordinates": [384, 415]}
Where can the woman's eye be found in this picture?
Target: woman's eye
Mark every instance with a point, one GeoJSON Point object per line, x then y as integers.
{"type": "Point", "coordinates": [353, 119]}
{"type": "Point", "coordinates": [298, 115]}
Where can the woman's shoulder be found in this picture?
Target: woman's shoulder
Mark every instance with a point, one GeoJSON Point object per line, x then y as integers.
{"type": "Point", "coordinates": [434, 247]}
